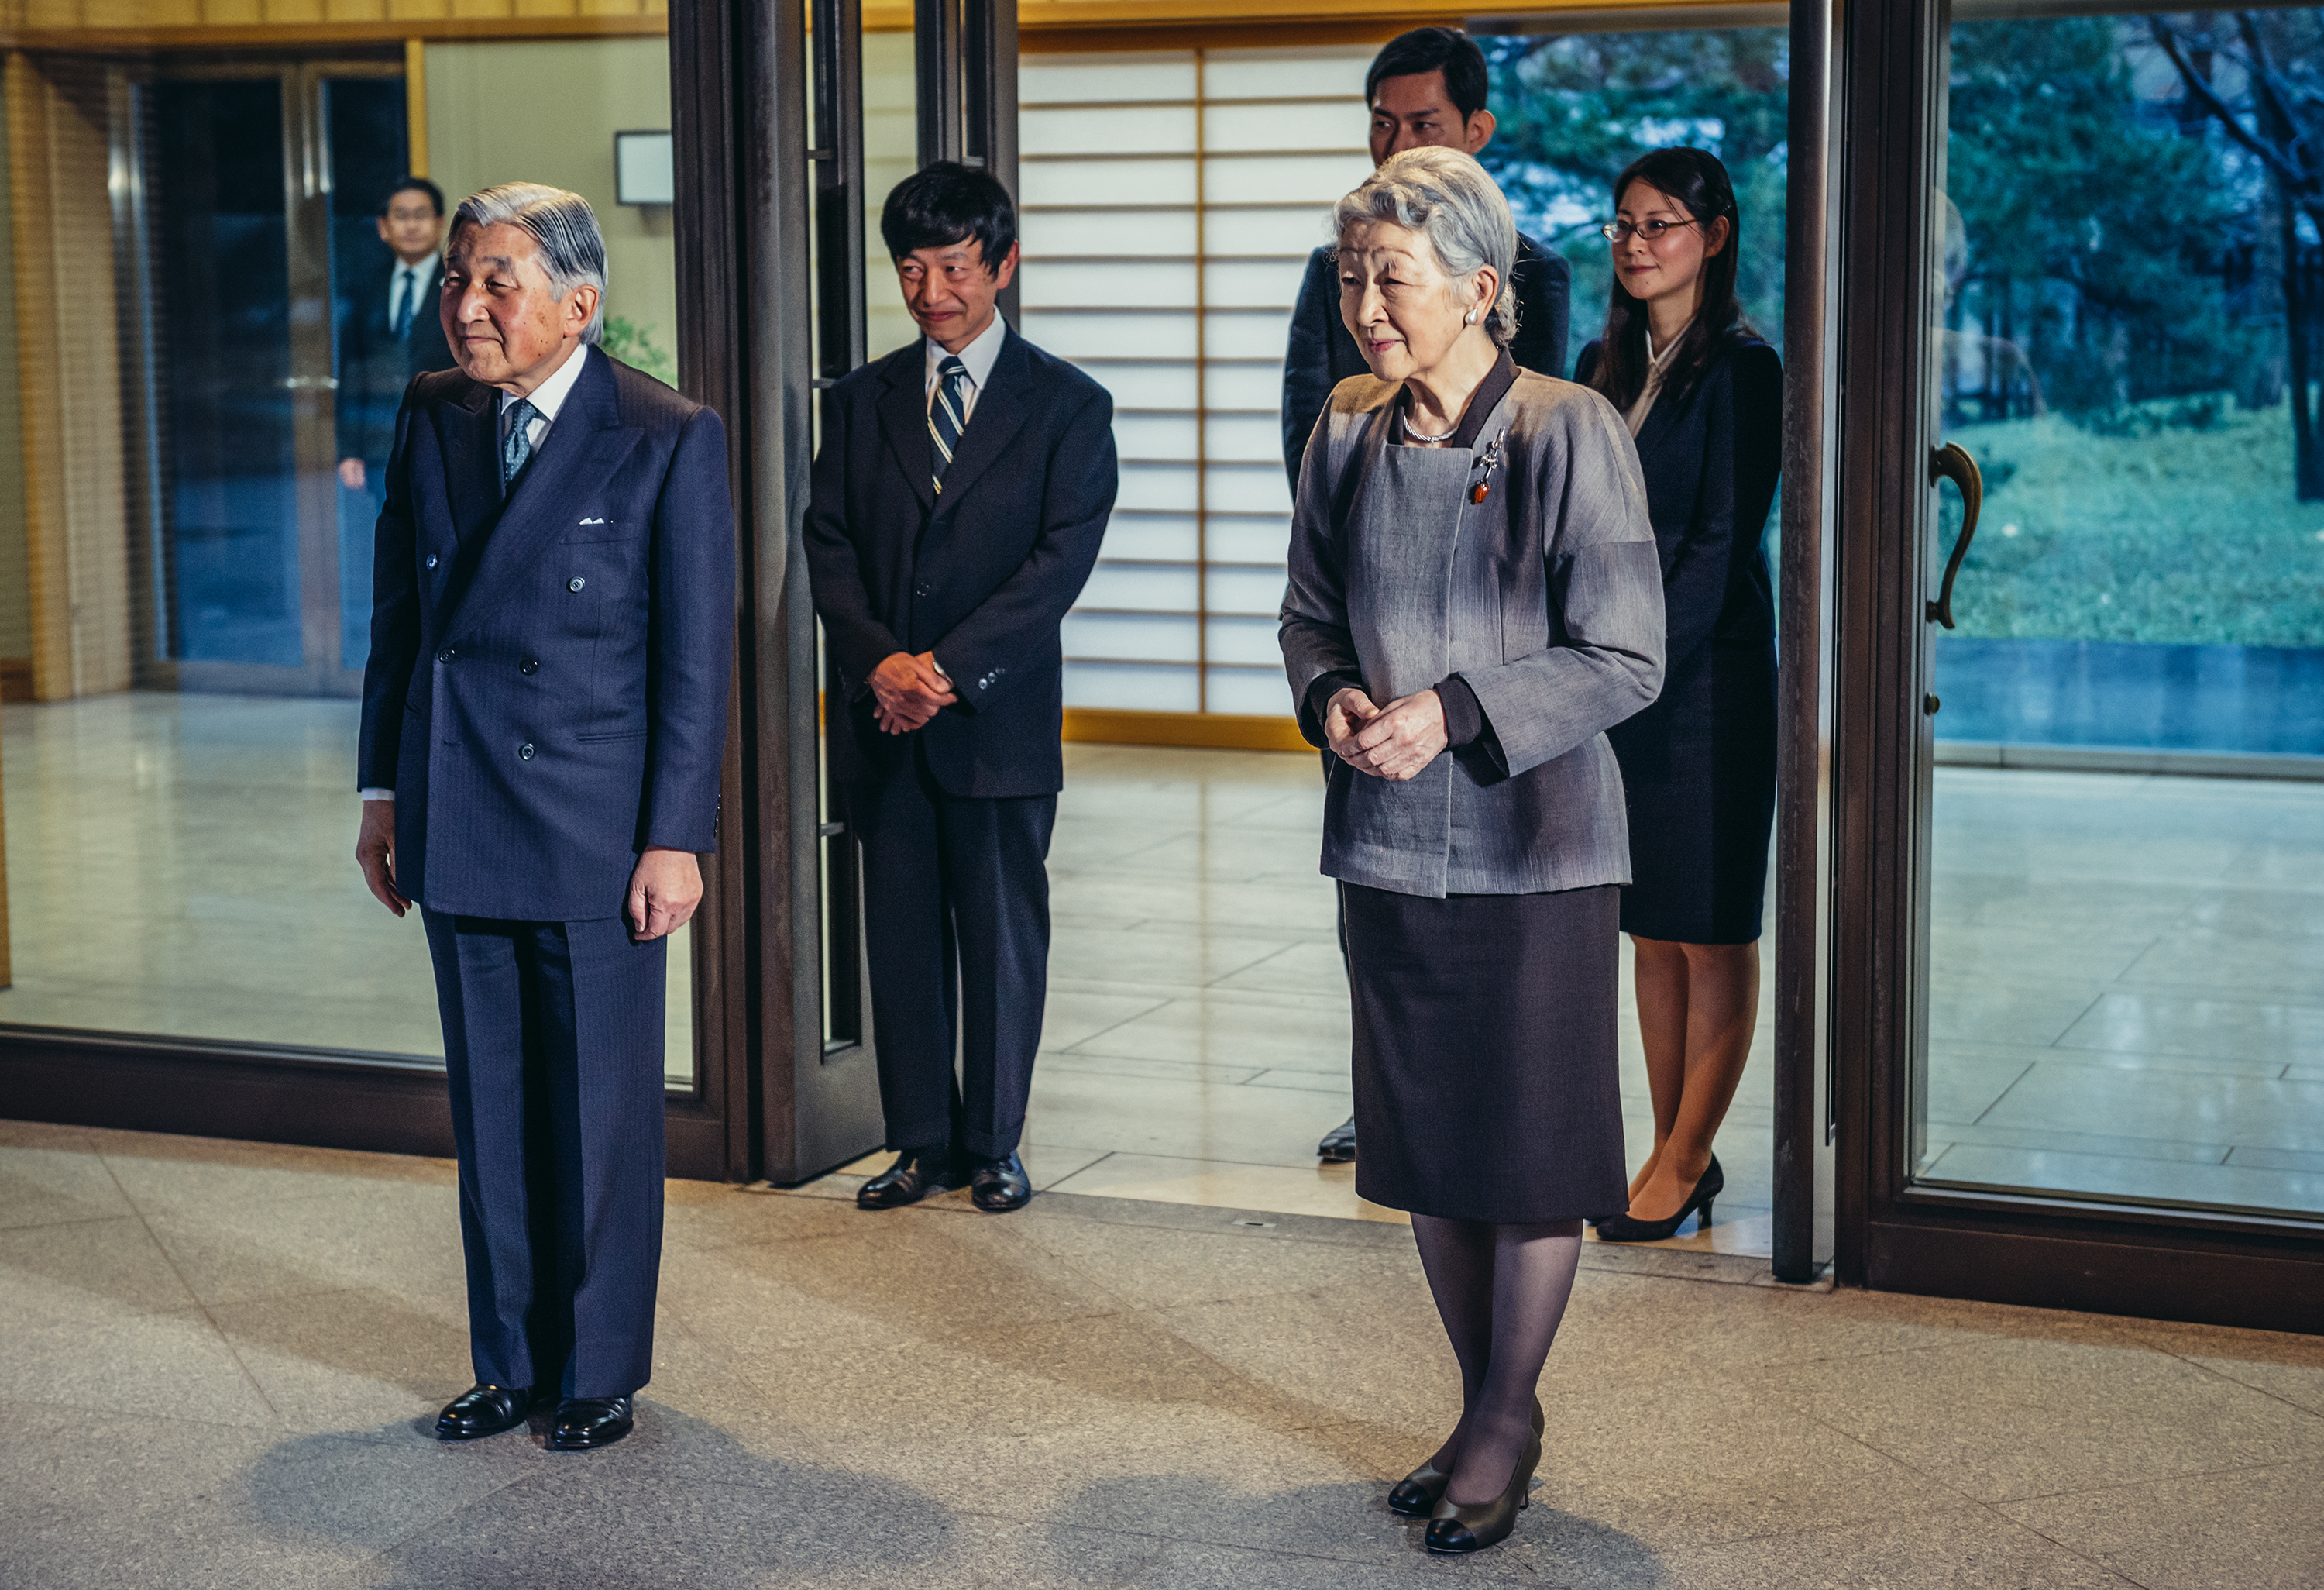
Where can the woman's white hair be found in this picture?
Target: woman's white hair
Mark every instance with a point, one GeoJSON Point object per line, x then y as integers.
{"type": "Point", "coordinates": [1446, 196]}
{"type": "Point", "coordinates": [572, 247]}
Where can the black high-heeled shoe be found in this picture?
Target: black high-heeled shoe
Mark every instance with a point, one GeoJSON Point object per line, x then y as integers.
{"type": "Point", "coordinates": [1417, 1493]}
{"type": "Point", "coordinates": [1455, 1530]}
{"type": "Point", "coordinates": [1621, 1228]}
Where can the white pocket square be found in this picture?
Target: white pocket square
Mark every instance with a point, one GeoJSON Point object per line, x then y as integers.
{"type": "Point", "coordinates": [593, 522]}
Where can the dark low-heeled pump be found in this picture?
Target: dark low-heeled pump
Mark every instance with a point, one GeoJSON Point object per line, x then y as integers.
{"type": "Point", "coordinates": [1417, 1493]}
{"type": "Point", "coordinates": [1621, 1228]}
{"type": "Point", "coordinates": [1455, 1530]}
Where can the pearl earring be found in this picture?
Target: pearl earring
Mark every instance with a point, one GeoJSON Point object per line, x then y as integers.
{"type": "Point", "coordinates": [1470, 319]}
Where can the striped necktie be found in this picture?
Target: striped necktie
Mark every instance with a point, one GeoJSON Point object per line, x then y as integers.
{"type": "Point", "coordinates": [405, 289]}
{"type": "Point", "coordinates": [947, 414]}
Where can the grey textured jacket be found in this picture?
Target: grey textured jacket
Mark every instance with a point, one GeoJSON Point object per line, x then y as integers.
{"type": "Point", "coordinates": [1546, 598]}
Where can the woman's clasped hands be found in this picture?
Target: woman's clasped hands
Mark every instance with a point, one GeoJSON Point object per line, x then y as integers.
{"type": "Point", "coordinates": [1394, 742]}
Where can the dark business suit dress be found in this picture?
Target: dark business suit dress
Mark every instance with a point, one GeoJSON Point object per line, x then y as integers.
{"type": "Point", "coordinates": [1699, 765]}
{"type": "Point", "coordinates": [1321, 354]}
{"type": "Point", "coordinates": [955, 818]}
{"type": "Point", "coordinates": [376, 363]}
{"type": "Point", "coordinates": [547, 696]}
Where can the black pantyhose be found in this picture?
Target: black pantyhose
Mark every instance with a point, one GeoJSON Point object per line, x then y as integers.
{"type": "Point", "coordinates": [1501, 1291]}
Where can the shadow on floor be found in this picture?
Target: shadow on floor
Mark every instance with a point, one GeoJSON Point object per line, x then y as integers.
{"type": "Point", "coordinates": [682, 1501]}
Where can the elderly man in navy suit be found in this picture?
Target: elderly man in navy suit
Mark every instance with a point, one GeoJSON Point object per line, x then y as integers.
{"type": "Point", "coordinates": [962, 490]}
{"type": "Point", "coordinates": [544, 718]}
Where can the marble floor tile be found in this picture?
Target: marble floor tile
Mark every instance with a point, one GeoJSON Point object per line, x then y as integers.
{"type": "Point", "coordinates": [1283, 1189]}
{"type": "Point", "coordinates": [2059, 1095]}
{"type": "Point", "coordinates": [1980, 1010]}
{"type": "Point", "coordinates": [1251, 1125]}
{"type": "Point", "coordinates": [2046, 1416]}
{"type": "Point", "coordinates": [2255, 1529]}
{"type": "Point", "coordinates": [1235, 1028]}
{"type": "Point", "coordinates": [2176, 1024]}
{"type": "Point", "coordinates": [47, 1186]}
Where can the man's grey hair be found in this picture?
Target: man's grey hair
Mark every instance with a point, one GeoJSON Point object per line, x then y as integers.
{"type": "Point", "coordinates": [1446, 196]}
{"type": "Point", "coordinates": [572, 246]}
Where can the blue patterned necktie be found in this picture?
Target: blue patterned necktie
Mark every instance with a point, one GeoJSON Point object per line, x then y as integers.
{"type": "Point", "coordinates": [516, 449]}
{"type": "Point", "coordinates": [947, 414]}
{"type": "Point", "coordinates": [406, 290]}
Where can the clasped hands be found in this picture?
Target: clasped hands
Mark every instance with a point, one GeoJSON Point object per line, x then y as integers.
{"type": "Point", "coordinates": [1394, 742]}
{"type": "Point", "coordinates": [908, 691]}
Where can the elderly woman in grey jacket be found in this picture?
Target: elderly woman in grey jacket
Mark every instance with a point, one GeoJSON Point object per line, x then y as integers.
{"type": "Point", "coordinates": [1475, 599]}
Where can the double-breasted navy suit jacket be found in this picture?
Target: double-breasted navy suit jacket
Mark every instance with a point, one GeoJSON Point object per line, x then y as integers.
{"type": "Point", "coordinates": [548, 684]}
{"type": "Point", "coordinates": [982, 579]}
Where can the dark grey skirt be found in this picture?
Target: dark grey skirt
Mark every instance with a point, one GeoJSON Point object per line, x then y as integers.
{"type": "Point", "coordinates": [1485, 1053]}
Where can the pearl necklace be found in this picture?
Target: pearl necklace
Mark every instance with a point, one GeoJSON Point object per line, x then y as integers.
{"type": "Point", "coordinates": [1426, 440]}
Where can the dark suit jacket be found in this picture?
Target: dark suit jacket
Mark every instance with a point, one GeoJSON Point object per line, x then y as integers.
{"type": "Point", "coordinates": [1322, 355]}
{"type": "Point", "coordinates": [375, 365]}
{"type": "Point", "coordinates": [547, 689]}
{"type": "Point", "coordinates": [1711, 455]}
{"type": "Point", "coordinates": [983, 579]}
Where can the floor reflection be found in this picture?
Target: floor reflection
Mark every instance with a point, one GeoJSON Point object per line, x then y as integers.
{"type": "Point", "coordinates": [2127, 994]}
{"type": "Point", "coordinates": [184, 864]}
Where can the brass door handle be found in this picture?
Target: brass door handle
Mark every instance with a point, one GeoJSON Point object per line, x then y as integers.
{"type": "Point", "coordinates": [1951, 462]}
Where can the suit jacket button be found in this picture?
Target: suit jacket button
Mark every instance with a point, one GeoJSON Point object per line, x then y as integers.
{"type": "Point", "coordinates": [431, 560]}
{"type": "Point", "coordinates": [529, 665]}
{"type": "Point", "coordinates": [445, 655]}
{"type": "Point", "coordinates": [524, 751]}
{"type": "Point", "coordinates": [575, 582]}
{"type": "Point", "coordinates": [920, 589]}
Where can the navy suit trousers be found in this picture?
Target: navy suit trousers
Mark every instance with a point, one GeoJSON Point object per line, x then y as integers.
{"type": "Point", "coordinates": [957, 914]}
{"type": "Point", "coordinates": [553, 1043]}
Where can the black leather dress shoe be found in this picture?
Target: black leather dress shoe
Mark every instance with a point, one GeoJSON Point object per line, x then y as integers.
{"type": "Point", "coordinates": [1339, 1144]}
{"type": "Point", "coordinates": [587, 1422]}
{"type": "Point", "coordinates": [999, 1186]}
{"type": "Point", "coordinates": [482, 1411]}
{"type": "Point", "coordinates": [917, 1174]}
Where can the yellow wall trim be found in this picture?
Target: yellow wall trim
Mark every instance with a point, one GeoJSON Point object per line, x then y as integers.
{"type": "Point", "coordinates": [380, 33]}
{"type": "Point", "coordinates": [1217, 731]}
{"type": "Point", "coordinates": [415, 106]}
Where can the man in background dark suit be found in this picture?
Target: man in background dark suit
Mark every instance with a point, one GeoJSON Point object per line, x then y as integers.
{"type": "Point", "coordinates": [1426, 88]}
{"type": "Point", "coordinates": [960, 495]}
{"type": "Point", "coordinates": [544, 717]}
{"type": "Point", "coordinates": [391, 331]}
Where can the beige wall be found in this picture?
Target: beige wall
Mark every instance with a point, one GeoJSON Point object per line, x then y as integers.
{"type": "Point", "coordinates": [547, 112]}
{"type": "Point", "coordinates": [75, 496]}
{"type": "Point", "coordinates": [15, 594]}
{"type": "Point", "coordinates": [891, 153]}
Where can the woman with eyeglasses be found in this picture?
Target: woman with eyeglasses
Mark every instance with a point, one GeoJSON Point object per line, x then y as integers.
{"type": "Point", "coordinates": [1703, 398]}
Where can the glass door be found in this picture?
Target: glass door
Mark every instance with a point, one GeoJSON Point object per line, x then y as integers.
{"type": "Point", "coordinates": [258, 184]}
{"type": "Point", "coordinates": [2077, 960]}
{"type": "Point", "coordinates": [2125, 819]}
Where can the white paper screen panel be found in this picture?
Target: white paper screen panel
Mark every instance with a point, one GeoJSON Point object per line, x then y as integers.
{"type": "Point", "coordinates": [1170, 202]}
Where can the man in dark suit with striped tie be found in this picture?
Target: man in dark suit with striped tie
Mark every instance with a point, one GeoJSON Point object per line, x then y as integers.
{"type": "Point", "coordinates": [960, 495]}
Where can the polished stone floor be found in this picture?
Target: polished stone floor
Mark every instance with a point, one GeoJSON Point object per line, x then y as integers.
{"type": "Point", "coordinates": [2127, 992]}
{"type": "Point", "coordinates": [218, 1362]}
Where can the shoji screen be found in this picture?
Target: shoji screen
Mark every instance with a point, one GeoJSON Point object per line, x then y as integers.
{"type": "Point", "coordinates": [1170, 201]}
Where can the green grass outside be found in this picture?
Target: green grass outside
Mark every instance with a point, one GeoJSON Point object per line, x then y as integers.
{"type": "Point", "coordinates": [2177, 524]}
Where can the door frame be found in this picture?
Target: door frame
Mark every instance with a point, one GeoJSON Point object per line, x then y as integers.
{"type": "Point", "coordinates": [2215, 1268]}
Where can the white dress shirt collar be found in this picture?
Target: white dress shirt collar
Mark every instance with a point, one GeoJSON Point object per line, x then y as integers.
{"type": "Point", "coordinates": [979, 355]}
{"type": "Point", "coordinates": [423, 282]}
{"type": "Point", "coordinates": [550, 394]}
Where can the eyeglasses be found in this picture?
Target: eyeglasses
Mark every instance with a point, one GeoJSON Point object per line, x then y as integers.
{"type": "Point", "coordinates": [1652, 231]}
